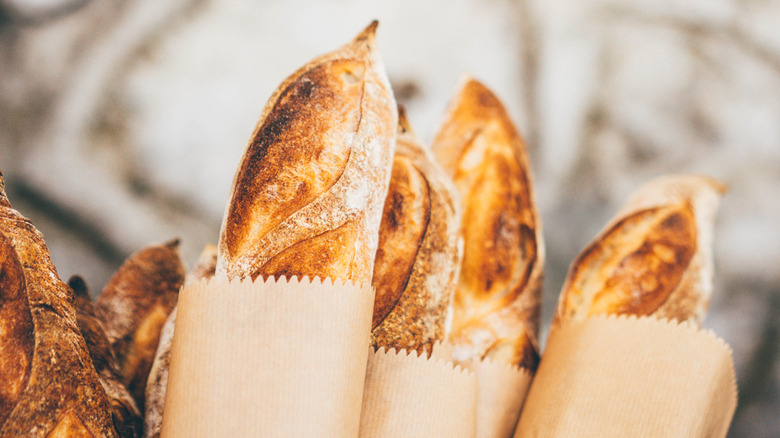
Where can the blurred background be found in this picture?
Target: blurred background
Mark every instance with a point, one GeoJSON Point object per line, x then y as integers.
{"type": "Point", "coordinates": [122, 122]}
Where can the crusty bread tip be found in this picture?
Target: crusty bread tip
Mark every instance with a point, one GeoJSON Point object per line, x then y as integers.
{"type": "Point", "coordinates": [653, 258]}
{"type": "Point", "coordinates": [308, 194]}
{"type": "Point", "coordinates": [496, 305]}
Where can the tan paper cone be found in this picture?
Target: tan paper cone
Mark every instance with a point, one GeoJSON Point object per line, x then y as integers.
{"type": "Point", "coordinates": [410, 396]}
{"type": "Point", "coordinates": [501, 390]}
{"type": "Point", "coordinates": [271, 359]}
{"type": "Point", "coordinates": [619, 377]}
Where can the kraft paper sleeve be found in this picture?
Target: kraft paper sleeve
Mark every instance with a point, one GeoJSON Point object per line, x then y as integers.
{"type": "Point", "coordinates": [623, 376]}
{"type": "Point", "coordinates": [413, 396]}
{"type": "Point", "coordinates": [271, 359]}
{"type": "Point", "coordinates": [501, 390]}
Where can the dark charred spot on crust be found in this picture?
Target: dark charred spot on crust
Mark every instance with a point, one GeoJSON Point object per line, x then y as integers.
{"type": "Point", "coordinates": [675, 222]}
{"type": "Point", "coordinates": [396, 204]}
{"type": "Point", "coordinates": [79, 286]}
{"type": "Point", "coordinates": [529, 358]}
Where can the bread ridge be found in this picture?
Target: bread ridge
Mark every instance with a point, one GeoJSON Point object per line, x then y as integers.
{"type": "Point", "coordinates": [417, 319]}
{"type": "Point", "coordinates": [62, 392]}
{"type": "Point", "coordinates": [493, 319]}
{"type": "Point", "coordinates": [354, 199]}
{"type": "Point", "coordinates": [134, 305]}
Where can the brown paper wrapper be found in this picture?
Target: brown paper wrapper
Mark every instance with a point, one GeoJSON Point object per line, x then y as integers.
{"type": "Point", "coordinates": [501, 391]}
{"type": "Point", "coordinates": [623, 376]}
{"type": "Point", "coordinates": [413, 396]}
{"type": "Point", "coordinates": [272, 359]}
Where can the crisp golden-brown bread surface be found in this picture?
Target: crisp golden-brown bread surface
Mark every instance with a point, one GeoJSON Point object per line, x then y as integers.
{"type": "Point", "coordinates": [49, 385]}
{"type": "Point", "coordinates": [496, 306]}
{"type": "Point", "coordinates": [157, 382]}
{"type": "Point", "coordinates": [134, 306]}
{"type": "Point", "coordinates": [124, 412]}
{"type": "Point", "coordinates": [419, 253]}
{"type": "Point", "coordinates": [654, 258]}
{"type": "Point", "coordinates": [308, 195]}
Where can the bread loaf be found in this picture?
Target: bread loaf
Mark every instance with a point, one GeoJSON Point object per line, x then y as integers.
{"type": "Point", "coordinates": [157, 381]}
{"type": "Point", "coordinates": [419, 252]}
{"type": "Point", "coordinates": [134, 306]}
{"type": "Point", "coordinates": [308, 195]}
{"type": "Point", "coordinates": [653, 258]}
{"type": "Point", "coordinates": [496, 304]}
{"type": "Point", "coordinates": [124, 412]}
{"type": "Point", "coordinates": [48, 385]}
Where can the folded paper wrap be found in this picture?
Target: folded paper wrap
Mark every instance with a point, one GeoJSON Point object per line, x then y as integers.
{"type": "Point", "coordinates": [407, 395]}
{"type": "Point", "coordinates": [271, 359]}
{"type": "Point", "coordinates": [501, 391]}
{"type": "Point", "coordinates": [628, 376]}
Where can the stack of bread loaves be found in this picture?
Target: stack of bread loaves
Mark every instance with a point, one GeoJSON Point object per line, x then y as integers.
{"type": "Point", "coordinates": [334, 184]}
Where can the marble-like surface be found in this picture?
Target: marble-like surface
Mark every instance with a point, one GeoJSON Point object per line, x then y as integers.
{"type": "Point", "coordinates": [121, 123]}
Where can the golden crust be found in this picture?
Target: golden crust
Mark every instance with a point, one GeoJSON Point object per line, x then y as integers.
{"type": "Point", "coordinates": [496, 302]}
{"type": "Point", "coordinates": [419, 250]}
{"type": "Point", "coordinates": [313, 178]}
{"type": "Point", "coordinates": [56, 390]}
{"type": "Point", "coordinates": [653, 258]}
{"type": "Point", "coordinates": [134, 306]}
{"type": "Point", "coordinates": [124, 412]}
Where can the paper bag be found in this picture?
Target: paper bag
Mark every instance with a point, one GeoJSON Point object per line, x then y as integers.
{"type": "Point", "coordinates": [407, 395]}
{"type": "Point", "coordinates": [271, 359]}
{"type": "Point", "coordinates": [627, 376]}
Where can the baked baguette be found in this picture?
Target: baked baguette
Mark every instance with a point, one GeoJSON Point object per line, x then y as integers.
{"type": "Point", "coordinates": [653, 258]}
{"type": "Point", "coordinates": [124, 412]}
{"type": "Point", "coordinates": [134, 306]}
{"type": "Point", "coordinates": [496, 304]}
{"type": "Point", "coordinates": [307, 197]}
{"type": "Point", "coordinates": [157, 382]}
{"type": "Point", "coordinates": [48, 385]}
{"type": "Point", "coordinates": [419, 252]}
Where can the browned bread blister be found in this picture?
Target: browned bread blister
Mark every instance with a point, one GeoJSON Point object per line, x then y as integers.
{"type": "Point", "coordinates": [124, 412]}
{"type": "Point", "coordinates": [496, 304]}
{"type": "Point", "coordinates": [157, 381]}
{"type": "Point", "coordinates": [48, 385]}
{"type": "Point", "coordinates": [420, 249]}
{"type": "Point", "coordinates": [308, 194]}
{"type": "Point", "coordinates": [134, 306]}
{"type": "Point", "coordinates": [653, 258]}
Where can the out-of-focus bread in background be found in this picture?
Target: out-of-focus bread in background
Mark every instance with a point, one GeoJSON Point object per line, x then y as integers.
{"type": "Point", "coordinates": [121, 123]}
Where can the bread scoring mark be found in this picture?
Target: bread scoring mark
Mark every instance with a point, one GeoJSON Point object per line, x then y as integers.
{"type": "Point", "coordinates": [405, 219]}
{"type": "Point", "coordinates": [298, 153]}
{"type": "Point", "coordinates": [331, 253]}
{"type": "Point", "coordinates": [16, 330]}
{"type": "Point", "coordinates": [635, 266]}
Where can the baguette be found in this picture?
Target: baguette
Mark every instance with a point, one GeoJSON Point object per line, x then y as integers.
{"type": "Point", "coordinates": [653, 258]}
{"type": "Point", "coordinates": [157, 382]}
{"type": "Point", "coordinates": [308, 194]}
{"type": "Point", "coordinates": [134, 306]}
{"type": "Point", "coordinates": [496, 304]}
{"type": "Point", "coordinates": [124, 412]}
{"type": "Point", "coordinates": [419, 252]}
{"type": "Point", "coordinates": [49, 386]}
